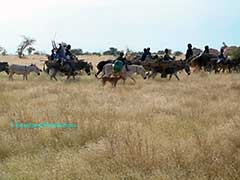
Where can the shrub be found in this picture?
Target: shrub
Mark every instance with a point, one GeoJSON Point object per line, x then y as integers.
{"type": "Point", "coordinates": [236, 53]}
{"type": "Point", "coordinates": [177, 53]}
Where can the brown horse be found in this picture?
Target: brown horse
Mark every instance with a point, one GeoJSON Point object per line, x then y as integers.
{"type": "Point", "coordinates": [170, 68]}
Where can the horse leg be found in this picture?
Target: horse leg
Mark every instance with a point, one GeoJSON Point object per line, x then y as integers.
{"type": "Point", "coordinates": [170, 77]}
{"type": "Point", "coordinates": [96, 75]}
{"type": "Point", "coordinates": [133, 80]}
{"type": "Point", "coordinates": [115, 83]}
{"type": "Point", "coordinates": [103, 82]}
{"type": "Point", "coordinates": [124, 81]}
{"type": "Point", "coordinates": [149, 75]}
{"type": "Point", "coordinates": [154, 75]}
{"type": "Point", "coordinates": [68, 77]}
{"type": "Point", "coordinates": [74, 77]}
{"type": "Point", "coordinates": [10, 77]}
{"type": "Point", "coordinates": [176, 76]}
{"type": "Point", "coordinates": [54, 75]}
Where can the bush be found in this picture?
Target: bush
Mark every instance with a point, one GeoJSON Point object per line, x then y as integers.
{"type": "Point", "coordinates": [178, 53]}
{"type": "Point", "coordinates": [112, 51]}
{"type": "Point", "coordinates": [236, 54]}
{"type": "Point", "coordinates": [77, 51]}
{"type": "Point", "coordinates": [163, 51]}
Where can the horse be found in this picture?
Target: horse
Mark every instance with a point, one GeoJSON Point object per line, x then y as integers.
{"type": "Point", "coordinates": [171, 68]}
{"type": "Point", "coordinates": [132, 69]}
{"type": "Point", "coordinates": [204, 61]}
{"type": "Point", "coordinates": [228, 64]}
{"type": "Point", "coordinates": [4, 67]}
{"type": "Point", "coordinates": [23, 70]}
{"type": "Point", "coordinates": [100, 66]}
{"type": "Point", "coordinates": [66, 68]}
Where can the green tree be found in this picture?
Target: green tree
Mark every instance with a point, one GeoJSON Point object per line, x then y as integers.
{"type": "Point", "coordinates": [112, 51]}
{"type": "Point", "coordinates": [177, 53]}
{"type": "Point", "coordinates": [30, 50]}
{"type": "Point", "coordinates": [236, 54]}
{"type": "Point", "coordinates": [26, 42]}
{"type": "Point", "coordinates": [3, 51]}
{"type": "Point", "coordinates": [77, 52]}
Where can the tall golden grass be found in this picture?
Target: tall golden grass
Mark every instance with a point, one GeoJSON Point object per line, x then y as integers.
{"type": "Point", "coordinates": [156, 129]}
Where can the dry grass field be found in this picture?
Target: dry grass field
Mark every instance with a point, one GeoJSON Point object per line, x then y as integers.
{"type": "Point", "coordinates": [154, 130]}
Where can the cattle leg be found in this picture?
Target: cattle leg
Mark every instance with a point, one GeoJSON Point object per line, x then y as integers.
{"type": "Point", "coordinates": [170, 77]}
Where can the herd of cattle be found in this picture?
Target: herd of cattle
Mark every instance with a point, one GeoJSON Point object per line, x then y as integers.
{"type": "Point", "coordinates": [147, 69]}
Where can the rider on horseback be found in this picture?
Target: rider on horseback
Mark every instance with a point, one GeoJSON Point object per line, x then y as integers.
{"type": "Point", "coordinates": [167, 57]}
{"type": "Point", "coordinates": [61, 53]}
{"type": "Point", "coordinates": [221, 57]}
{"type": "Point", "coordinates": [189, 53]}
{"type": "Point", "coordinates": [146, 53]}
{"type": "Point", "coordinates": [206, 50]}
{"type": "Point", "coordinates": [70, 57]}
{"type": "Point", "coordinates": [122, 59]}
{"type": "Point", "coordinates": [54, 55]}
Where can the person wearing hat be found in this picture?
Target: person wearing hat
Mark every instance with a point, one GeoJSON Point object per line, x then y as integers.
{"type": "Point", "coordinates": [189, 52]}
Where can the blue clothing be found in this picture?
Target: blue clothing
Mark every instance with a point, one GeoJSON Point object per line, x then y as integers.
{"type": "Point", "coordinates": [61, 53]}
{"type": "Point", "coordinates": [54, 56]}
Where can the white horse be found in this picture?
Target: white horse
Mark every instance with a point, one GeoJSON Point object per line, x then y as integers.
{"type": "Point", "coordinates": [132, 69]}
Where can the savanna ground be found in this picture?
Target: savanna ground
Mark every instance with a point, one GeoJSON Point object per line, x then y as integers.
{"type": "Point", "coordinates": [156, 129]}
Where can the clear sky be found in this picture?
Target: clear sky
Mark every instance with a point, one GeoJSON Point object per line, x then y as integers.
{"type": "Point", "coordinates": [96, 25]}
